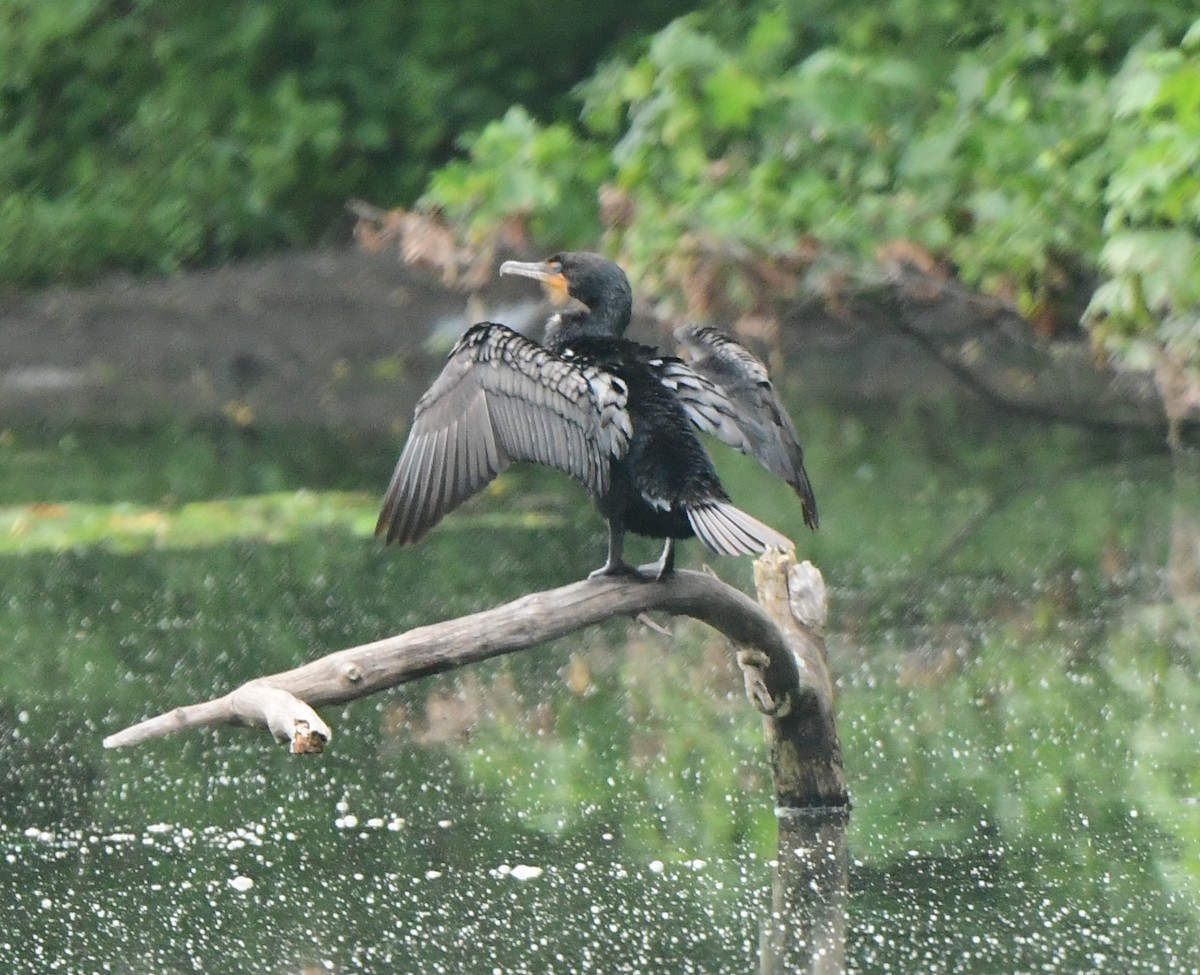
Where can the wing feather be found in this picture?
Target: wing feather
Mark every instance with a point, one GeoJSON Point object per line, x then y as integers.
{"type": "Point", "coordinates": [439, 478]}
{"type": "Point", "coordinates": [727, 393]}
{"type": "Point", "coordinates": [502, 398]}
{"type": "Point", "coordinates": [435, 476]}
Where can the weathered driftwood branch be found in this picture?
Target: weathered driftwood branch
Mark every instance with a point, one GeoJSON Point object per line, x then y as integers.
{"type": "Point", "coordinates": [783, 661]}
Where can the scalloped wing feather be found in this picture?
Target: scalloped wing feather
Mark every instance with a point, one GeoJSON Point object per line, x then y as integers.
{"type": "Point", "coordinates": [502, 398]}
{"type": "Point", "coordinates": [727, 393]}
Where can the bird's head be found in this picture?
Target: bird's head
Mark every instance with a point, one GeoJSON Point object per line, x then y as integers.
{"type": "Point", "coordinates": [594, 281]}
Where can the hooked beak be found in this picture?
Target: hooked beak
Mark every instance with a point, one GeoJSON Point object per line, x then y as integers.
{"type": "Point", "coordinates": [553, 281]}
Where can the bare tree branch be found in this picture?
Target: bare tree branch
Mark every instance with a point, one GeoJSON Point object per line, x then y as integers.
{"type": "Point", "coordinates": [783, 661]}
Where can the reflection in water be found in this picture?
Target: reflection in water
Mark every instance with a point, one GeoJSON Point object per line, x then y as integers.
{"type": "Point", "coordinates": [1183, 560]}
{"type": "Point", "coordinates": [806, 929]}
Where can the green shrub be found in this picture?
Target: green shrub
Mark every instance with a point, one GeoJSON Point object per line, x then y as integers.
{"type": "Point", "coordinates": [982, 133]}
{"type": "Point", "coordinates": [1150, 300]}
{"type": "Point", "coordinates": [518, 168]}
{"type": "Point", "coordinates": [158, 134]}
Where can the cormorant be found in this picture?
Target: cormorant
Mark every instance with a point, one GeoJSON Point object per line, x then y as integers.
{"type": "Point", "coordinates": [614, 415]}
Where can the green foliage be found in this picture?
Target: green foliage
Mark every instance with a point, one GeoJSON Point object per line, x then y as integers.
{"type": "Point", "coordinates": [981, 133]}
{"type": "Point", "coordinates": [161, 134]}
{"type": "Point", "coordinates": [1151, 299]}
{"type": "Point", "coordinates": [517, 168]}
{"type": "Point", "coordinates": [158, 139]}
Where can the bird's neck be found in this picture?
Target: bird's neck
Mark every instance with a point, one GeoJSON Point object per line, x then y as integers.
{"type": "Point", "coordinates": [569, 326]}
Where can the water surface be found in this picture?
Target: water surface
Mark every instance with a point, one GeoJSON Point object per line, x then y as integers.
{"type": "Point", "coordinates": [1013, 625]}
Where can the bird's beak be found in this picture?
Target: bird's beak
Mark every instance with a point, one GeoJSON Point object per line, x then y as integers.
{"type": "Point", "coordinates": [554, 282]}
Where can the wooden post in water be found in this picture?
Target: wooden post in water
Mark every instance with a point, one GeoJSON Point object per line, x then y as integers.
{"type": "Point", "coordinates": [805, 751]}
{"type": "Point", "coordinates": [806, 929]}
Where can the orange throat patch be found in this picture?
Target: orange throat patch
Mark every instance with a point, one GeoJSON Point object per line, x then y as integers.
{"type": "Point", "coordinates": [556, 288]}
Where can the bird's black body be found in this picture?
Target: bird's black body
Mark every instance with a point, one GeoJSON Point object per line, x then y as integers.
{"type": "Point", "coordinates": [664, 460]}
{"type": "Point", "coordinates": [613, 414]}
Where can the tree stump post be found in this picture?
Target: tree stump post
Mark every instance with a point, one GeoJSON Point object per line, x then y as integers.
{"type": "Point", "coordinates": [805, 751]}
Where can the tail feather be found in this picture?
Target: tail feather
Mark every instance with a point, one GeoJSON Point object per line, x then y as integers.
{"type": "Point", "coordinates": [729, 531]}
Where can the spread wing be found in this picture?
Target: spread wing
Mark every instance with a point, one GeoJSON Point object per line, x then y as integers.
{"type": "Point", "coordinates": [502, 398]}
{"type": "Point", "coordinates": [727, 393]}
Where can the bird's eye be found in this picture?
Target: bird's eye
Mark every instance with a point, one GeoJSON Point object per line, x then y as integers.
{"type": "Point", "coordinates": [555, 264]}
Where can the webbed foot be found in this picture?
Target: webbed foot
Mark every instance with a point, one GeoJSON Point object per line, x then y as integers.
{"type": "Point", "coordinates": [659, 570]}
{"type": "Point", "coordinates": [616, 569]}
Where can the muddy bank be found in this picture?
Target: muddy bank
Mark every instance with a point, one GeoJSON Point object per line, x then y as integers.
{"type": "Point", "coordinates": [340, 338]}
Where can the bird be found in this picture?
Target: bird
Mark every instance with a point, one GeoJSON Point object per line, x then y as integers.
{"type": "Point", "coordinates": [615, 415]}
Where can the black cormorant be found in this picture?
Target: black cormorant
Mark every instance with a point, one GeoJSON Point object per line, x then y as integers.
{"type": "Point", "coordinates": [614, 415]}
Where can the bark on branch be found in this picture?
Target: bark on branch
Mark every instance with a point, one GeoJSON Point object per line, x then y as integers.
{"type": "Point", "coordinates": [782, 658]}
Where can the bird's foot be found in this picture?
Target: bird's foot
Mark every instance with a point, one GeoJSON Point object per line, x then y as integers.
{"type": "Point", "coordinates": [658, 571]}
{"type": "Point", "coordinates": [655, 570]}
{"type": "Point", "coordinates": [610, 569]}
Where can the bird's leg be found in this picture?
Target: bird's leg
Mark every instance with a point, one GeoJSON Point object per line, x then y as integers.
{"type": "Point", "coordinates": [616, 564]}
{"type": "Point", "coordinates": [664, 566]}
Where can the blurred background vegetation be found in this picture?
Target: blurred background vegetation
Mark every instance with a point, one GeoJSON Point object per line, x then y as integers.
{"type": "Point", "coordinates": [157, 135]}
{"type": "Point", "coordinates": [1047, 151]}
